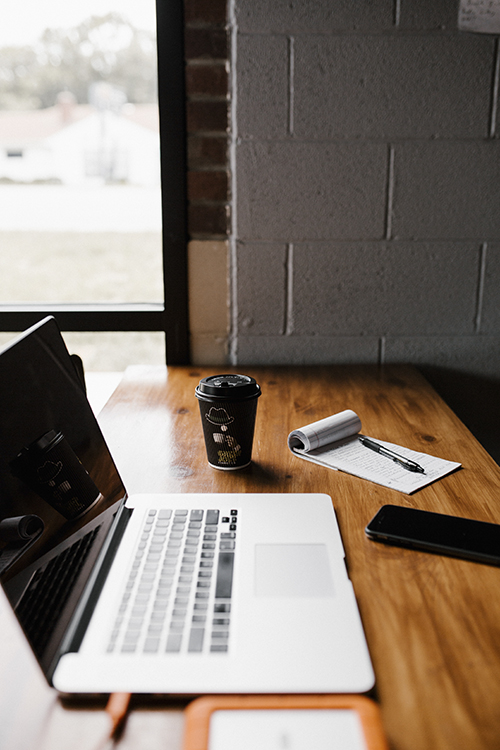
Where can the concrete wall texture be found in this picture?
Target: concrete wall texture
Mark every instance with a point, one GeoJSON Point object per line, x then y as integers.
{"type": "Point", "coordinates": [366, 168]}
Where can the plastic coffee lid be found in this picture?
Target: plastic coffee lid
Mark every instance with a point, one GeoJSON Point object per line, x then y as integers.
{"type": "Point", "coordinates": [230, 386]}
{"type": "Point", "coordinates": [48, 440]}
{"type": "Point", "coordinates": [41, 444]}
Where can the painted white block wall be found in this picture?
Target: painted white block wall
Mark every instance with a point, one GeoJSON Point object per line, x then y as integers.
{"type": "Point", "coordinates": [367, 187]}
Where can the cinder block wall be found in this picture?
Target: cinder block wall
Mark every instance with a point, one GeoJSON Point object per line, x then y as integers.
{"type": "Point", "coordinates": [367, 164]}
{"type": "Point", "coordinates": [367, 182]}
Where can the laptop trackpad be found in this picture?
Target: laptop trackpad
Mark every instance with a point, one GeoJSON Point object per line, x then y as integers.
{"type": "Point", "coordinates": [290, 570]}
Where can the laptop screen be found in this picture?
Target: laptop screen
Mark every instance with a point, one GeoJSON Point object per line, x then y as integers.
{"type": "Point", "coordinates": [57, 477]}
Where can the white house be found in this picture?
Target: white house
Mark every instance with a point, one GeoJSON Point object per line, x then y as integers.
{"type": "Point", "coordinates": [76, 144]}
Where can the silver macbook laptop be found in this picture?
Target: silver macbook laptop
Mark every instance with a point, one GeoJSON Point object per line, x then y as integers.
{"type": "Point", "coordinates": [177, 594]}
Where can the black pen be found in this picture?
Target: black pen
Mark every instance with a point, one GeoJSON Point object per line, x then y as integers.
{"type": "Point", "coordinates": [401, 460]}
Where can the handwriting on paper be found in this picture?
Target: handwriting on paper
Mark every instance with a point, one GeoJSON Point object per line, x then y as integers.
{"type": "Point", "coordinates": [479, 15]}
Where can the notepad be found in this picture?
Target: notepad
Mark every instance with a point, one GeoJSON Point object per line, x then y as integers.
{"type": "Point", "coordinates": [334, 442]}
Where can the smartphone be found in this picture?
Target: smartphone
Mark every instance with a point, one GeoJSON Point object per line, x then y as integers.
{"type": "Point", "coordinates": [436, 532]}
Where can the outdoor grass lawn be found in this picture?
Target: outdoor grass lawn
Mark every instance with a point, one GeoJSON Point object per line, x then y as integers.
{"type": "Point", "coordinates": [55, 267]}
{"type": "Point", "coordinates": [80, 267]}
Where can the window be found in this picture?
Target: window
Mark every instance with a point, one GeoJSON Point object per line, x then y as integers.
{"type": "Point", "coordinates": [105, 115]}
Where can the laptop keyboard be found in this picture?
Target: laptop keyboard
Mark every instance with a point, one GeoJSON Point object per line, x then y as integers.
{"type": "Point", "coordinates": [177, 597]}
{"type": "Point", "coordinates": [49, 589]}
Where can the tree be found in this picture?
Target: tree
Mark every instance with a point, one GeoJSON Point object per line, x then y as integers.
{"type": "Point", "coordinates": [105, 48]}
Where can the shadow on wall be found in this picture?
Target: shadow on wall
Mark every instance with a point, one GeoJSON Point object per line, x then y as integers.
{"type": "Point", "coordinates": [475, 400]}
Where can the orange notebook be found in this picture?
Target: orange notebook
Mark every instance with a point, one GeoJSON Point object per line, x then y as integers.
{"type": "Point", "coordinates": [333, 721]}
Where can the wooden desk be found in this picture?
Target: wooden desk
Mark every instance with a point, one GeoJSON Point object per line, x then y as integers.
{"type": "Point", "coordinates": [432, 623]}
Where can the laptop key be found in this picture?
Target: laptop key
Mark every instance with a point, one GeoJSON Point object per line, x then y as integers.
{"type": "Point", "coordinates": [220, 621]}
{"type": "Point", "coordinates": [174, 641]}
{"type": "Point", "coordinates": [163, 595]}
{"type": "Point", "coordinates": [131, 637]}
{"type": "Point", "coordinates": [135, 624]}
{"type": "Point", "coordinates": [212, 517]}
{"type": "Point", "coordinates": [224, 575]}
{"type": "Point", "coordinates": [155, 627]}
{"type": "Point", "coordinates": [153, 557]}
{"type": "Point", "coordinates": [158, 616]}
{"type": "Point", "coordinates": [196, 637]}
{"type": "Point", "coordinates": [128, 648]}
{"type": "Point", "coordinates": [160, 605]}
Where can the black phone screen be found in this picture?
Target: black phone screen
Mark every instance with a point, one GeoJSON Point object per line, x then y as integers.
{"type": "Point", "coordinates": [436, 532]}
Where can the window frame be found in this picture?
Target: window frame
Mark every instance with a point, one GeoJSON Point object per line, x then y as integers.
{"type": "Point", "coordinates": [171, 316]}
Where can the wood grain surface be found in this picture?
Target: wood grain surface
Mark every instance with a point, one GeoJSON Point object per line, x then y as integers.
{"type": "Point", "coordinates": [432, 623]}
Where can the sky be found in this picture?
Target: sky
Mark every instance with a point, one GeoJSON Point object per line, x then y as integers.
{"type": "Point", "coordinates": [22, 21]}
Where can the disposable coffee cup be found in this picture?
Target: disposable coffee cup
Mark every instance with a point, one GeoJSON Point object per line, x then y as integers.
{"type": "Point", "coordinates": [53, 470]}
{"type": "Point", "coordinates": [228, 406]}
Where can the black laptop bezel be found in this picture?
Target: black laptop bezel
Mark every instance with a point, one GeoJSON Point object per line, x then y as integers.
{"type": "Point", "coordinates": [18, 359]}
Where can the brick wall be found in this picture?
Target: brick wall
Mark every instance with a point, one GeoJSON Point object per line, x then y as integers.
{"type": "Point", "coordinates": [207, 49]}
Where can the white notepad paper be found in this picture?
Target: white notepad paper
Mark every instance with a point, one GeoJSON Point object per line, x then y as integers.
{"type": "Point", "coordinates": [334, 442]}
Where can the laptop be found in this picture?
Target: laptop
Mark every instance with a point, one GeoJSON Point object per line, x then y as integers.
{"type": "Point", "coordinates": [180, 594]}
